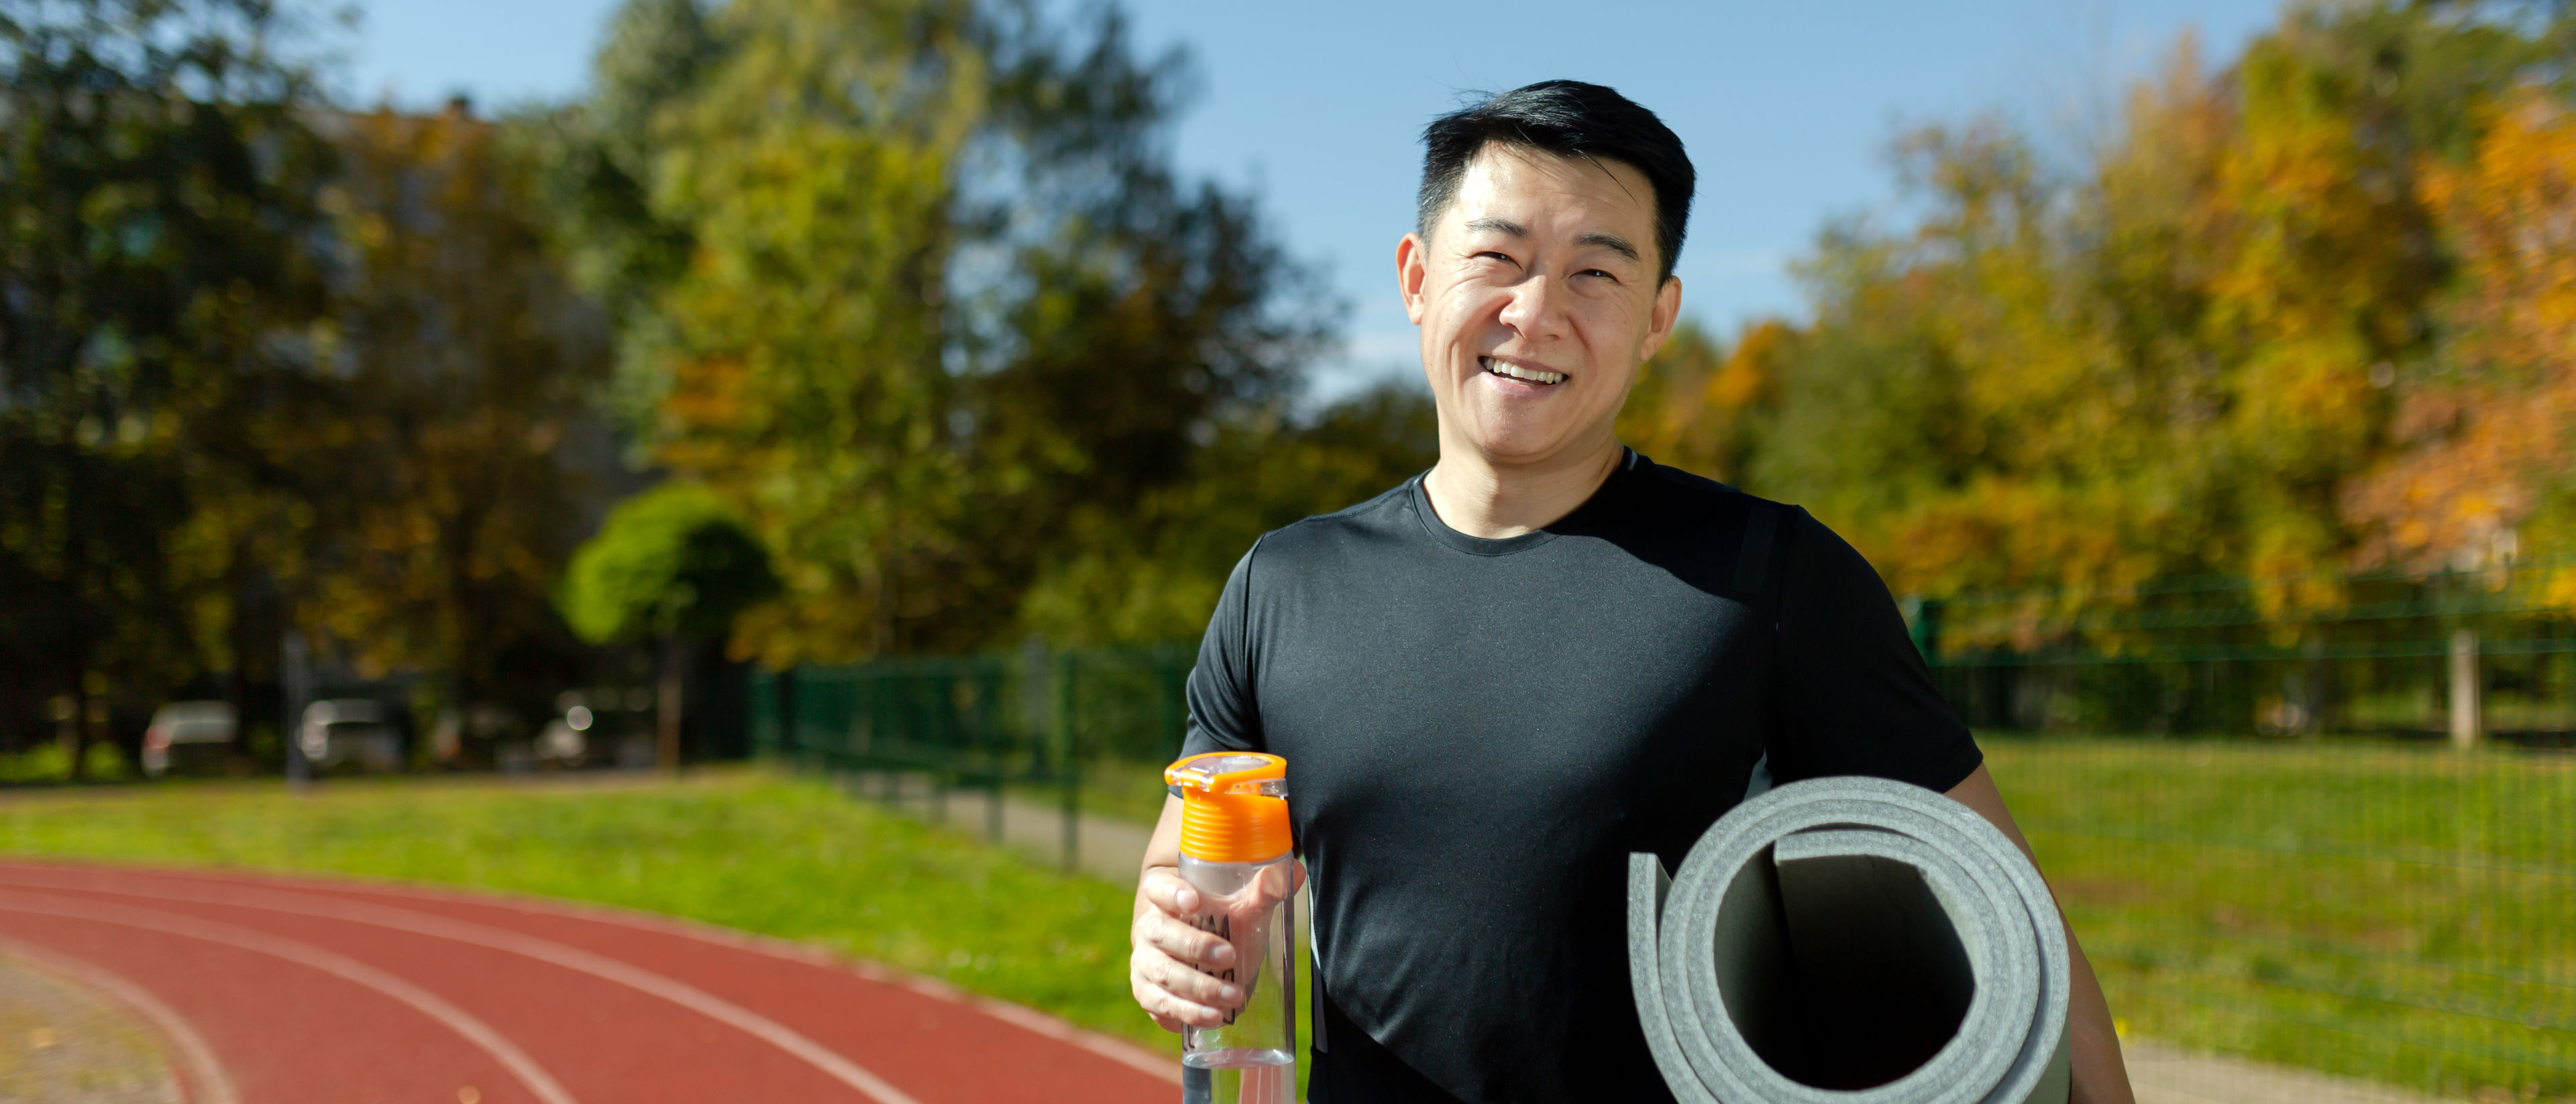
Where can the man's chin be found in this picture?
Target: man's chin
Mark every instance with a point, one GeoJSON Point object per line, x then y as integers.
{"type": "Point", "coordinates": [1509, 445]}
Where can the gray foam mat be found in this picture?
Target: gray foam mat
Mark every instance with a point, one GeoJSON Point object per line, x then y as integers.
{"type": "Point", "coordinates": [1850, 941]}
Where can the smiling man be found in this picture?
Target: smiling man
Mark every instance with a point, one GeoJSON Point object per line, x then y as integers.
{"type": "Point", "coordinates": [1494, 682]}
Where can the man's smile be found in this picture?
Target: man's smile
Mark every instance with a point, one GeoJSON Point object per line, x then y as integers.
{"type": "Point", "coordinates": [1519, 373]}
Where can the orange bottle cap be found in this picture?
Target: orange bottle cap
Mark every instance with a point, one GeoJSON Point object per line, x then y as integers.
{"type": "Point", "coordinates": [1234, 806]}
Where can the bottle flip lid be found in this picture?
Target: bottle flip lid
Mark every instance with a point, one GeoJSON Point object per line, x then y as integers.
{"type": "Point", "coordinates": [1234, 806]}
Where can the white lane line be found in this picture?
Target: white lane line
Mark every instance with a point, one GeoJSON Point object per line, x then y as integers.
{"type": "Point", "coordinates": [1125, 1053]}
{"type": "Point", "coordinates": [548, 951]}
{"type": "Point", "coordinates": [455, 1019]}
{"type": "Point", "coordinates": [205, 1079]}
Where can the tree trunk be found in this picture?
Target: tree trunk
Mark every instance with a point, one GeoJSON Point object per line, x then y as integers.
{"type": "Point", "coordinates": [75, 733]}
{"type": "Point", "coordinates": [2467, 723]}
{"type": "Point", "coordinates": [666, 752]}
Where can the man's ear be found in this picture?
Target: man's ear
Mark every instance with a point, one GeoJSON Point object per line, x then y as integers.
{"type": "Point", "coordinates": [1412, 266]}
{"type": "Point", "coordinates": [1659, 325]}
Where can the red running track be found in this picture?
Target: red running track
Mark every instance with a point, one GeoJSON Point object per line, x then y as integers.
{"type": "Point", "coordinates": [283, 991]}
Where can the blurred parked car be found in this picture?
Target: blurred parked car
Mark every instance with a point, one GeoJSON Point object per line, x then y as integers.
{"type": "Point", "coordinates": [189, 736]}
{"type": "Point", "coordinates": [563, 744]}
{"type": "Point", "coordinates": [474, 735]}
{"type": "Point", "coordinates": [350, 732]}
{"type": "Point", "coordinates": [615, 725]}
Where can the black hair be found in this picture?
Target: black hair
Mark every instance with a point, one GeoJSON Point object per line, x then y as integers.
{"type": "Point", "coordinates": [1569, 119]}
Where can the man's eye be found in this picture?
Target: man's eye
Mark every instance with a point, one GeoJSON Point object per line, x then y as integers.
{"type": "Point", "coordinates": [1503, 257]}
{"type": "Point", "coordinates": [1603, 273]}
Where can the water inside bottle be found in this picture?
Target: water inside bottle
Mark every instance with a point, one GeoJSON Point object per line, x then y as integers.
{"type": "Point", "coordinates": [1239, 1075]}
{"type": "Point", "coordinates": [1238, 1058]}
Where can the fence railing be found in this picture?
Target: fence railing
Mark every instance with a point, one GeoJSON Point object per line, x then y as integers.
{"type": "Point", "coordinates": [2281, 856]}
{"type": "Point", "coordinates": [1080, 729]}
{"type": "Point", "coordinates": [2469, 656]}
{"type": "Point", "coordinates": [2402, 912]}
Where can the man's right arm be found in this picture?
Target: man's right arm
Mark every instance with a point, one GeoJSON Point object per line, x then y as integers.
{"type": "Point", "coordinates": [1169, 958]}
{"type": "Point", "coordinates": [1169, 961]}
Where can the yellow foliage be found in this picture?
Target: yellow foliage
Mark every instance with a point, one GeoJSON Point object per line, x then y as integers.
{"type": "Point", "coordinates": [2175, 362]}
{"type": "Point", "coordinates": [2485, 445]}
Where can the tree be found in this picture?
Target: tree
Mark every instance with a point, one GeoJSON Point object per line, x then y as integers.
{"type": "Point", "coordinates": [2484, 452]}
{"type": "Point", "coordinates": [157, 180]}
{"type": "Point", "coordinates": [674, 565]}
{"type": "Point", "coordinates": [1143, 347]}
{"type": "Point", "coordinates": [1150, 575]}
{"type": "Point", "coordinates": [456, 472]}
{"type": "Point", "coordinates": [949, 307]}
{"type": "Point", "coordinates": [2171, 359]}
{"type": "Point", "coordinates": [1698, 407]}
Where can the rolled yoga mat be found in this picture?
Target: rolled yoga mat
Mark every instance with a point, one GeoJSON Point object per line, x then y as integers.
{"type": "Point", "coordinates": [1851, 941]}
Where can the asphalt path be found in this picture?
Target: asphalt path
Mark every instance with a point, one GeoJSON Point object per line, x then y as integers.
{"type": "Point", "coordinates": [283, 991]}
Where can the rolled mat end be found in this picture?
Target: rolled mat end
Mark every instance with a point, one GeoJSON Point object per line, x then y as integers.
{"type": "Point", "coordinates": [1851, 941]}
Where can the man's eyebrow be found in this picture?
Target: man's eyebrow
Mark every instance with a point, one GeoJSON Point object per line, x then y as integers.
{"type": "Point", "coordinates": [1611, 242]}
{"type": "Point", "coordinates": [1500, 226]}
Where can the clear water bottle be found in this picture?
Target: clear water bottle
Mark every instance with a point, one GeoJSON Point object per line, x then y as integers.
{"type": "Point", "coordinates": [1235, 850]}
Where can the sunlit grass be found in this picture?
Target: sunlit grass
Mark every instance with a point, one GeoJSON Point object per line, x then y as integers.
{"type": "Point", "coordinates": [2404, 914]}
{"type": "Point", "coordinates": [743, 848]}
{"type": "Point", "coordinates": [2399, 914]}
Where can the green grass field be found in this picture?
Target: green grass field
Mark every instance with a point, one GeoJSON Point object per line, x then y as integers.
{"type": "Point", "coordinates": [2403, 915]}
{"type": "Point", "coordinates": [743, 848]}
{"type": "Point", "coordinates": [2406, 915]}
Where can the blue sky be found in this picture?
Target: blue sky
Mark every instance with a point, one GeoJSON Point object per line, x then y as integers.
{"type": "Point", "coordinates": [1784, 107]}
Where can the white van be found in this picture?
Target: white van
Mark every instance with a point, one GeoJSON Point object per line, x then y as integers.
{"type": "Point", "coordinates": [193, 735]}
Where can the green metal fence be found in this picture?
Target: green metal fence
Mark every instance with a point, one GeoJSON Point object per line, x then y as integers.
{"type": "Point", "coordinates": [2404, 912]}
{"type": "Point", "coordinates": [2469, 656]}
{"type": "Point", "coordinates": [2339, 826]}
{"type": "Point", "coordinates": [1077, 728]}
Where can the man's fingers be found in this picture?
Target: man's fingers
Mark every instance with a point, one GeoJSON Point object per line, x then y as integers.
{"type": "Point", "coordinates": [1182, 980]}
{"type": "Point", "coordinates": [1169, 969]}
{"type": "Point", "coordinates": [1177, 937]}
{"type": "Point", "coordinates": [1170, 892]}
{"type": "Point", "coordinates": [1191, 984]}
{"type": "Point", "coordinates": [1172, 1011]}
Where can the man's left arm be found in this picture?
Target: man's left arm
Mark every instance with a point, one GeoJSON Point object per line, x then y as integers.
{"type": "Point", "coordinates": [2100, 1076]}
{"type": "Point", "coordinates": [1857, 698]}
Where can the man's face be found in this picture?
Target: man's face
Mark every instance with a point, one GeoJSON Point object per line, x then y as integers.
{"type": "Point", "coordinates": [1537, 299]}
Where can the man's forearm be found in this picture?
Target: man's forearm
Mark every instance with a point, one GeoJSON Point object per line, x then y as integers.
{"type": "Point", "coordinates": [2093, 1048]}
{"type": "Point", "coordinates": [1162, 849]}
{"type": "Point", "coordinates": [2100, 1076]}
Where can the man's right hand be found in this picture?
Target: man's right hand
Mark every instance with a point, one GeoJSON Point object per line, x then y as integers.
{"type": "Point", "coordinates": [1170, 959]}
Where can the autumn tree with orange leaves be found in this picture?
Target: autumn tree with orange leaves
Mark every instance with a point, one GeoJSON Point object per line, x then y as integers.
{"type": "Point", "coordinates": [2302, 313]}
{"type": "Point", "coordinates": [2483, 464]}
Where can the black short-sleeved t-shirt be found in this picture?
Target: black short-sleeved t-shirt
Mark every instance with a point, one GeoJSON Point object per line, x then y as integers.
{"type": "Point", "coordinates": [1478, 732]}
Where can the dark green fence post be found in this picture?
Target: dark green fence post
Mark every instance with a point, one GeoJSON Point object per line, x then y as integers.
{"type": "Point", "coordinates": [1069, 763]}
{"type": "Point", "coordinates": [763, 686]}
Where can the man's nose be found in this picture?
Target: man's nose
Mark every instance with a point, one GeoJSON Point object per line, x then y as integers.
{"type": "Point", "coordinates": [1536, 309]}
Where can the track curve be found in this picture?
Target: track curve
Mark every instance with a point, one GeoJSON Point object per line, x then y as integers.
{"type": "Point", "coordinates": [308, 990]}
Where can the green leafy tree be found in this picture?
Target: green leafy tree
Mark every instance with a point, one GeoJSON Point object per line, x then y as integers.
{"type": "Point", "coordinates": [157, 183]}
{"type": "Point", "coordinates": [674, 565]}
{"type": "Point", "coordinates": [672, 561]}
{"type": "Point", "coordinates": [945, 306]}
{"type": "Point", "coordinates": [1151, 575]}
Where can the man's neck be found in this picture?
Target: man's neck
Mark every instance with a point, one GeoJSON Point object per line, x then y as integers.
{"type": "Point", "coordinates": [1482, 499]}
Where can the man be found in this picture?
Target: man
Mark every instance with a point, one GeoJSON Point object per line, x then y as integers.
{"type": "Point", "coordinates": [1494, 682]}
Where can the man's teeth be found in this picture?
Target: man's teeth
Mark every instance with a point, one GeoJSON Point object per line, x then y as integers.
{"type": "Point", "coordinates": [1533, 375]}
